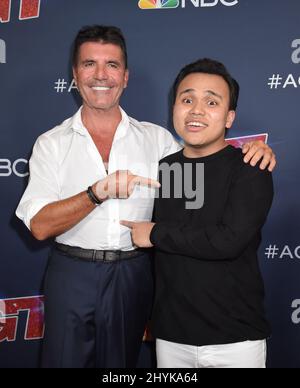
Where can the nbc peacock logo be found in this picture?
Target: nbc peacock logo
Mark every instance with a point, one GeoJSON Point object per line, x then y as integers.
{"type": "Point", "coordinates": [158, 4]}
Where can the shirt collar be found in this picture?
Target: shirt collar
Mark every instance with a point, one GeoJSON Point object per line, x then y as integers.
{"type": "Point", "coordinates": [77, 124]}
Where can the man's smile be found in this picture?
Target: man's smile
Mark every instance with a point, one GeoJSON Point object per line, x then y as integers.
{"type": "Point", "coordinates": [195, 126]}
{"type": "Point", "coordinates": [101, 88]}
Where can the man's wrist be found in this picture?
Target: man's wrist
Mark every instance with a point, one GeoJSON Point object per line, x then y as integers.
{"type": "Point", "coordinates": [93, 197]}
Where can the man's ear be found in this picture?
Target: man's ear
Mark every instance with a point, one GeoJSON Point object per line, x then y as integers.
{"type": "Point", "coordinates": [74, 74]}
{"type": "Point", "coordinates": [126, 78]}
{"type": "Point", "coordinates": [230, 119]}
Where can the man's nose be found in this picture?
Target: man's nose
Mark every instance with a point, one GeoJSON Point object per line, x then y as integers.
{"type": "Point", "coordinates": [198, 109]}
{"type": "Point", "coordinates": [101, 72]}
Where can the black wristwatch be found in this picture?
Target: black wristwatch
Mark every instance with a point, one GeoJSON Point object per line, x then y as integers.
{"type": "Point", "coordinates": [96, 201]}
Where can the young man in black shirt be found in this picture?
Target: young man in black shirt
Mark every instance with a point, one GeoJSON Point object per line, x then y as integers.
{"type": "Point", "coordinates": [209, 304]}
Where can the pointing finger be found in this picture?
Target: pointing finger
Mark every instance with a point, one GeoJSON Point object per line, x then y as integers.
{"type": "Point", "coordinates": [151, 183]}
{"type": "Point", "coordinates": [128, 224]}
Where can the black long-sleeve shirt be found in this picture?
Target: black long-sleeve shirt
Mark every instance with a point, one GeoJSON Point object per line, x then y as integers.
{"type": "Point", "coordinates": [209, 289]}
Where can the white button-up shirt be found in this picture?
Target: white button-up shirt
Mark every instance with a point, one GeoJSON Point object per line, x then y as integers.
{"type": "Point", "coordinates": [65, 161]}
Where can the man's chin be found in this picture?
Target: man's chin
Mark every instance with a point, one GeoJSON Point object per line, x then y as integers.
{"type": "Point", "coordinates": [101, 106]}
{"type": "Point", "coordinates": [194, 144]}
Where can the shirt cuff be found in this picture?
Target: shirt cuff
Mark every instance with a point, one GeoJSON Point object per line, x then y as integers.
{"type": "Point", "coordinates": [156, 233]}
{"type": "Point", "coordinates": [28, 210]}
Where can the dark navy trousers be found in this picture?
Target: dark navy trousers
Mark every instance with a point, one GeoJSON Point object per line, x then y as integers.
{"type": "Point", "coordinates": [95, 313]}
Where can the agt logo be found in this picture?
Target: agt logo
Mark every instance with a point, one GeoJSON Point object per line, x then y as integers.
{"type": "Point", "coordinates": [238, 142]}
{"type": "Point", "coordinates": [29, 9]}
{"type": "Point", "coordinates": [2, 51]}
{"type": "Point", "coordinates": [12, 314]}
{"type": "Point", "coordinates": [167, 4]}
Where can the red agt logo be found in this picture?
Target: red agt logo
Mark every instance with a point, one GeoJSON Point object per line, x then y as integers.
{"type": "Point", "coordinates": [29, 9]}
{"type": "Point", "coordinates": [238, 142]}
{"type": "Point", "coordinates": [9, 318]}
{"type": "Point", "coordinates": [34, 307]}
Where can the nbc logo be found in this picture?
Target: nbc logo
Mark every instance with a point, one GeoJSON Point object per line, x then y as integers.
{"type": "Point", "coordinates": [169, 4]}
{"type": "Point", "coordinates": [155, 4]}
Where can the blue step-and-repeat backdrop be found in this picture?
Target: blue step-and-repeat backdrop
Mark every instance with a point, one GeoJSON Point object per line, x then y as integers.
{"type": "Point", "coordinates": [258, 40]}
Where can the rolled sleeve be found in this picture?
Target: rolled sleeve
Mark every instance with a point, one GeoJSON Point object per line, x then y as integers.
{"type": "Point", "coordinates": [43, 187]}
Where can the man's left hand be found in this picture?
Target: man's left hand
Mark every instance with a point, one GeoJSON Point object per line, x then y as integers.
{"type": "Point", "coordinates": [140, 233]}
{"type": "Point", "coordinates": [257, 150]}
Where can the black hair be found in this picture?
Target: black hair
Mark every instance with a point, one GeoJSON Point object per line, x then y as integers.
{"type": "Point", "coordinates": [209, 66]}
{"type": "Point", "coordinates": [102, 34]}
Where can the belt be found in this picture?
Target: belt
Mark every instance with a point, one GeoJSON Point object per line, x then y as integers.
{"type": "Point", "coordinates": [97, 255]}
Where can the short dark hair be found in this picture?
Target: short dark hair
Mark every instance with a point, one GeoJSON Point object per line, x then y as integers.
{"type": "Point", "coordinates": [102, 34]}
{"type": "Point", "coordinates": [209, 66]}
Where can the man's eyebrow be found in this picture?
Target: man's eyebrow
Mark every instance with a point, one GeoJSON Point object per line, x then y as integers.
{"type": "Point", "coordinates": [211, 92]}
{"type": "Point", "coordinates": [87, 60]}
{"type": "Point", "coordinates": [187, 91]}
{"type": "Point", "coordinates": [116, 62]}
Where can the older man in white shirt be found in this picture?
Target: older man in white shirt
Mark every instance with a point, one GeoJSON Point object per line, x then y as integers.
{"type": "Point", "coordinates": [87, 174]}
